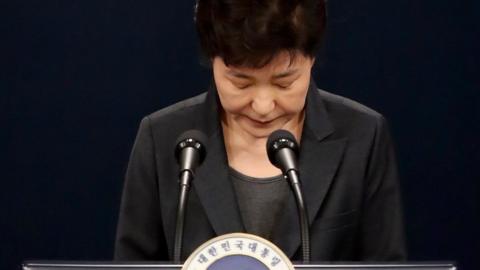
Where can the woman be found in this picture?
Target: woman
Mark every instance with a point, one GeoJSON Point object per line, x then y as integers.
{"type": "Point", "coordinates": [262, 53]}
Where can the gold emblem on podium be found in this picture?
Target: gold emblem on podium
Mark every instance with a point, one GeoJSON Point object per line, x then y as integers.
{"type": "Point", "coordinates": [238, 251]}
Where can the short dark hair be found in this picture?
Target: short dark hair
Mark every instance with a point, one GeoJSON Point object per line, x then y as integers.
{"type": "Point", "coordinates": [251, 32]}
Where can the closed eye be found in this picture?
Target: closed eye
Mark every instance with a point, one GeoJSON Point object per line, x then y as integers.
{"type": "Point", "coordinates": [240, 83]}
{"type": "Point", "coordinates": [284, 85]}
{"type": "Point", "coordinates": [244, 86]}
{"type": "Point", "coordinates": [287, 82]}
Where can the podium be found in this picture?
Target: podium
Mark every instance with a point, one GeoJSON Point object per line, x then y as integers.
{"type": "Point", "coordinates": [76, 265]}
{"type": "Point", "coordinates": [235, 251]}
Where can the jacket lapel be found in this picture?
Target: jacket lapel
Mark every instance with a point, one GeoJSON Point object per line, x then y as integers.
{"type": "Point", "coordinates": [318, 166]}
{"type": "Point", "coordinates": [212, 183]}
{"type": "Point", "coordinates": [318, 163]}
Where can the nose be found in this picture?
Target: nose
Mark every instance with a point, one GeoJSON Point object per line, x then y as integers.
{"type": "Point", "coordinates": [263, 102]}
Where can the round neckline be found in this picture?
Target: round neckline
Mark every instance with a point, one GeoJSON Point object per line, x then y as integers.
{"type": "Point", "coordinates": [258, 180]}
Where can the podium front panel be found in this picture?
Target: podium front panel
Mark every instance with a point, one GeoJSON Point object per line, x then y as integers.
{"type": "Point", "coordinates": [58, 265]}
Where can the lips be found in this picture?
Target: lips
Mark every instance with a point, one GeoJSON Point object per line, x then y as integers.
{"type": "Point", "coordinates": [261, 122]}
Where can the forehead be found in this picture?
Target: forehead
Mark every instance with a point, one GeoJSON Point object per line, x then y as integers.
{"type": "Point", "coordinates": [280, 65]}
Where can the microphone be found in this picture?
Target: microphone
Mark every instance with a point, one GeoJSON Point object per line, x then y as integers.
{"type": "Point", "coordinates": [190, 150]}
{"type": "Point", "coordinates": [190, 153]}
{"type": "Point", "coordinates": [282, 151]}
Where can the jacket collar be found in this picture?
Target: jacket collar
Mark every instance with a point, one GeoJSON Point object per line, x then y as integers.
{"type": "Point", "coordinates": [318, 161]}
{"type": "Point", "coordinates": [317, 120]}
{"type": "Point", "coordinates": [212, 182]}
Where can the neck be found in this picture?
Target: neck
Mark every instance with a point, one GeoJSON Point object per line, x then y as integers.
{"type": "Point", "coordinates": [247, 153]}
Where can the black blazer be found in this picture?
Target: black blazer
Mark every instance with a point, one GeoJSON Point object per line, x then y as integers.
{"type": "Point", "coordinates": [347, 168]}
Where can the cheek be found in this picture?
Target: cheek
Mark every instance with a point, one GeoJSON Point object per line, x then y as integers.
{"type": "Point", "coordinates": [231, 101]}
{"type": "Point", "coordinates": [293, 101]}
{"type": "Point", "coordinates": [291, 104]}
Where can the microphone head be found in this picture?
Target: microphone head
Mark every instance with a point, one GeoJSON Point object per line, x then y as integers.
{"type": "Point", "coordinates": [278, 140]}
{"type": "Point", "coordinates": [191, 138]}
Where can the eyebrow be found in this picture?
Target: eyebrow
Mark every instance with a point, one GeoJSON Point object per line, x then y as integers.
{"type": "Point", "coordinates": [276, 76]}
{"type": "Point", "coordinates": [238, 74]}
{"type": "Point", "coordinates": [285, 74]}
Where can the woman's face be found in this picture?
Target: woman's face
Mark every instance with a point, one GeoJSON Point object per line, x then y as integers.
{"type": "Point", "coordinates": [260, 101]}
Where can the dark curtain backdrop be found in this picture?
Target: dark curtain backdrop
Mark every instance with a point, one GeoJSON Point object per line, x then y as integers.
{"type": "Point", "coordinates": [77, 76]}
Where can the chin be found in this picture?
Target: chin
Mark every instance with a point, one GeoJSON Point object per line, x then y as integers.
{"type": "Point", "coordinates": [261, 132]}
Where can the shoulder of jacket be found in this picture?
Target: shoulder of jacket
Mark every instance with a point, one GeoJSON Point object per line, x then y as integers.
{"type": "Point", "coordinates": [335, 102]}
{"type": "Point", "coordinates": [176, 110]}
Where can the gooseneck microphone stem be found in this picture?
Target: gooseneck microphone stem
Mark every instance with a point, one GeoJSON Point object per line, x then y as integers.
{"type": "Point", "coordinates": [185, 178]}
{"type": "Point", "coordinates": [282, 151]}
{"type": "Point", "coordinates": [190, 153]}
{"type": "Point", "coordinates": [302, 214]}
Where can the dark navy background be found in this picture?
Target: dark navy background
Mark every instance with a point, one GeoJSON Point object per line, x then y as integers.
{"type": "Point", "coordinates": [77, 76]}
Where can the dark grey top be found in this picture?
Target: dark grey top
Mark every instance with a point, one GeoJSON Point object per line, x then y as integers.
{"type": "Point", "coordinates": [260, 200]}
